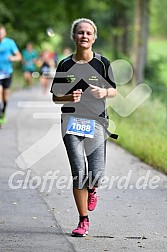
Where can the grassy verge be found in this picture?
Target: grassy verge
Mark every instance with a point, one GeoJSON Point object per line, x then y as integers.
{"type": "Point", "coordinates": [17, 81]}
{"type": "Point", "coordinates": [144, 134]}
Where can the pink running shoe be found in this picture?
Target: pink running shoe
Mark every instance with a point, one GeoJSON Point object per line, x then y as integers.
{"type": "Point", "coordinates": [92, 200]}
{"type": "Point", "coordinates": [82, 229]}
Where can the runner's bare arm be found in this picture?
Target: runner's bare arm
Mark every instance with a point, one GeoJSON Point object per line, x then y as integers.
{"type": "Point", "coordinates": [16, 57]}
{"type": "Point", "coordinates": [99, 93]}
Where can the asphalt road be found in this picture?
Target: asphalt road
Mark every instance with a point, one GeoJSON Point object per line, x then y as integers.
{"type": "Point", "coordinates": [37, 210]}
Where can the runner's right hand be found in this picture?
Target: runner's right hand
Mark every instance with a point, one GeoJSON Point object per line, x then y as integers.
{"type": "Point", "coordinates": [76, 95]}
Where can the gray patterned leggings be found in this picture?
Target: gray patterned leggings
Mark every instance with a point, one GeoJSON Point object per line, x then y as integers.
{"type": "Point", "coordinates": [87, 156]}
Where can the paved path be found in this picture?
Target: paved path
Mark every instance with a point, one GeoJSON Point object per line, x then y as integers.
{"type": "Point", "coordinates": [37, 210]}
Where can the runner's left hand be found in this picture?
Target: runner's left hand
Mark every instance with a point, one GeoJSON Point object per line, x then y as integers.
{"type": "Point", "coordinates": [97, 92]}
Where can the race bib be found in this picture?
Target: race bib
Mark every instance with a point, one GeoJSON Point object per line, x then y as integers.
{"type": "Point", "coordinates": [81, 127]}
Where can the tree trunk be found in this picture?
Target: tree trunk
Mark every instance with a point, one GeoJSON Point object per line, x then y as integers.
{"type": "Point", "coordinates": [121, 34]}
{"type": "Point", "coordinates": [140, 40]}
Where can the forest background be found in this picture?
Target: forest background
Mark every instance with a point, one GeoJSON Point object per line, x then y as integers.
{"type": "Point", "coordinates": [129, 31]}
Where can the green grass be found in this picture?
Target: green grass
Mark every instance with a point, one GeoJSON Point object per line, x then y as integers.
{"type": "Point", "coordinates": [157, 46]}
{"type": "Point", "coordinates": [157, 49]}
{"type": "Point", "coordinates": [144, 132]}
{"type": "Point", "coordinates": [17, 80]}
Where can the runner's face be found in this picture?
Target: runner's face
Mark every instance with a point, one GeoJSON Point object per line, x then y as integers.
{"type": "Point", "coordinates": [84, 37]}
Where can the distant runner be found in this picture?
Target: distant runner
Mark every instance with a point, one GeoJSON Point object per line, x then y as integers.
{"type": "Point", "coordinates": [9, 53]}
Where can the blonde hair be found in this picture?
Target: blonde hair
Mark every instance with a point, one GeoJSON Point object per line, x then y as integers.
{"type": "Point", "coordinates": [82, 20]}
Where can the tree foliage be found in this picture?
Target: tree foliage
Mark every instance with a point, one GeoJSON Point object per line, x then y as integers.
{"type": "Point", "coordinates": [28, 20]}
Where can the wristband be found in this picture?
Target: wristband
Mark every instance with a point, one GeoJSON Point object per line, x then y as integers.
{"type": "Point", "coordinates": [106, 92]}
